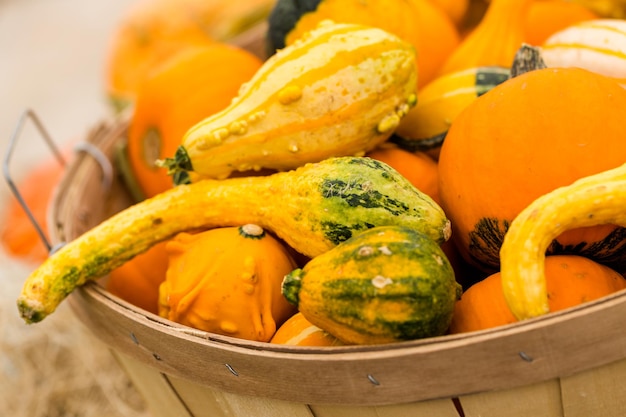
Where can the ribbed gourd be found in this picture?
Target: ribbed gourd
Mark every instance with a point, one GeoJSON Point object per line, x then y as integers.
{"type": "Point", "coordinates": [312, 209]}
{"type": "Point", "coordinates": [313, 99]}
{"type": "Point", "coordinates": [595, 45]}
{"type": "Point", "coordinates": [425, 126]}
{"type": "Point", "coordinates": [387, 284]}
{"type": "Point", "coordinates": [420, 22]}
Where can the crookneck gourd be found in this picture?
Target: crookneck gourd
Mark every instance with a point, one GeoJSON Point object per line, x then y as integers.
{"type": "Point", "coordinates": [312, 209]}
{"type": "Point", "coordinates": [313, 99]}
{"type": "Point", "coordinates": [592, 200]}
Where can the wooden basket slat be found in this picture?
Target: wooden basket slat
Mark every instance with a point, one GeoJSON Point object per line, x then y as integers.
{"type": "Point", "coordinates": [541, 399]}
{"type": "Point", "coordinates": [162, 400]}
{"type": "Point", "coordinates": [486, 369]}
{"type": "Point", "coordinates": [597, 392]}
{"type": "Point", "coordinates": [438, 408]}
{"type": "Point", "coordinates": [204, 401]}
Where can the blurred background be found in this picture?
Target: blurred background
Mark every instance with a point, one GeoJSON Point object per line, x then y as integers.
{"type": "Point", "coordinates": [52, 58]}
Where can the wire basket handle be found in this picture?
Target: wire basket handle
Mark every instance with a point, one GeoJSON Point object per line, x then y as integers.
{"type": "Point", "coordinates": [89, 148]}
{"type": "Point", "coordinates": [29, 115]}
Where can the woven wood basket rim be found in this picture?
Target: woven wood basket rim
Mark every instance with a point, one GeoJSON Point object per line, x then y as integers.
{"type": "Point", "coordinates": [547, 347]}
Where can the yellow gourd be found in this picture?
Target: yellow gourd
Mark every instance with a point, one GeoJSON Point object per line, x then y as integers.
{"type": "Point", "coordinates": [311, 100]}
{"type": "Point", "coordinates": [312, 209]}
{"type": "Point", "coordinates": [592, 200]}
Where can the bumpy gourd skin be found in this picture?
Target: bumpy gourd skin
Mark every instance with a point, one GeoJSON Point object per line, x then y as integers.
{"type": "Point", "coordinates": [339, 91]}
{"type": "Point", "coordinates": [592, 200]}
{"type": "Point", "coordinates": [312, 208]}
{"type": "Point", "coordinates": [227, 281]}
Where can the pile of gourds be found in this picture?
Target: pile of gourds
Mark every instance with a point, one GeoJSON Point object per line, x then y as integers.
{"type": "Point", "coordinates": [288, 220]}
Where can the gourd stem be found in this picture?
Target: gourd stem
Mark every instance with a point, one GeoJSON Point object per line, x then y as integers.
{"type": "Point", "coordinates": [527, 58]}
{"type": "Point", "coordinates": [178, 166]}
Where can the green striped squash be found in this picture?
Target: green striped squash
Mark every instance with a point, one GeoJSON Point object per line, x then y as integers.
{"type": "Point", "coordinates": [439, 102]}
{"type": "Point", "coordinates": [387, 284]}
{"type": "Point", "coordinates": [339, 91]}
{"type": "Point", "coordinates": [596, 45]}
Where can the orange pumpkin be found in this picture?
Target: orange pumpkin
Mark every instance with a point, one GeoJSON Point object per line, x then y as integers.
{"type": "Point", "coordinates": [227, 281]}
{"type": "Point", "coordinates": [546, 17]}
{"type": "Point", "coordinates": [298, 331]}
{"type": "Point", "coordinates": [152, 31]}
{"type": "Point", "coordinates": [571, 280]}
{"type": "Point", "coordinates": [180, 93]}
{"type": "Point", "coordinates": [527, 136]}
{"type": "Point", "coordinates": [138, 280]}
{"type": "Point", "coordinates": [455, 9]}
{"type": "Point", "coordinates": [418, 167]}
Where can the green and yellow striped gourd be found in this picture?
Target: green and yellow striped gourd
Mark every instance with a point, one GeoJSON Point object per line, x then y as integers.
{"type": "Point", "coordinates": [439, 102]}
{"type": "Point", "coordinates": [384, 285]}
{"type": "Point", "coordinates": [339, 91]}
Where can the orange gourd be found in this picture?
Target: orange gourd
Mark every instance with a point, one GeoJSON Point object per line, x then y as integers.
{"type": "Point", "coordinates": [494, 41]}
{"type": "Point", "coordinates": [152, 31]}
{"type": "Point", "coordinates": [227, 281]}
{"type": "Point", "coordinates": [298, 331]}
{"type": "Point", "coordinates": [527, 136]}
{"type": "Point", "coordinates": [546, 17]}
{"type": "Point", "coordinates": [18, 235]}
{"type": "Point", "coordinates": [138, 280]}
{"type": "Point", "coordinates": [419, 22]}
{"type": "Point", "coordinates": [183, 91]}
{"type": "Point", "coordinates": [418, 167]}
{"type": "Point", "coordinates": [571, 280]}
{"type": "Point", "coordinates": [455, 9]}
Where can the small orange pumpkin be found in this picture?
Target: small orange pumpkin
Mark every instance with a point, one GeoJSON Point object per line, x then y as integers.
{"type": "Point", "coordinates": [138, 280]}
{"type": "Point", "coordinates": [501, 153]}
{"type": "Point", "coordinates": [153, 31]}
{"type": "Point", "coordinates": [181, 92]}
{"type": "Point", "coordinates": [227, 281]}
{"type": "Point", "coordinates": [298, 331]}
{"type": "Point", "coordinates": [571, 280]}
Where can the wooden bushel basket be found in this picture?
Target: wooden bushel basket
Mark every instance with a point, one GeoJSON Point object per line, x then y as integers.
{"type": "Point", "coordinates": [569, 363]}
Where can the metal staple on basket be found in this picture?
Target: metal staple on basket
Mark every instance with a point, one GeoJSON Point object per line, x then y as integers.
{"type": "Point", "coordinates": [94, 151]}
